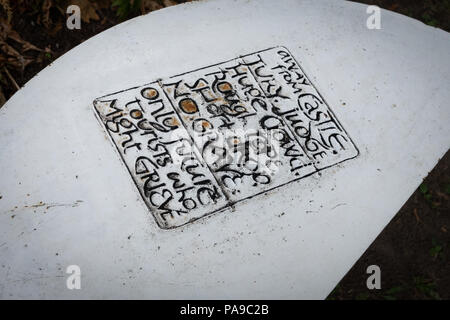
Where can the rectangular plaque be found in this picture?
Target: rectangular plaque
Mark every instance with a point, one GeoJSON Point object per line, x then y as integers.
{"type": "Point", "coordinates": [202, 141]}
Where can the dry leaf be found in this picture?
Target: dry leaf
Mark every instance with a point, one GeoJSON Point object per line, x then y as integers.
{"type": "Point", "coordinates": [11, 56]}
{"type": "Point", "coordinates": [103, 4]}
{"type": "Point", "coordinates": [149, 6]}
{"type": "Point", "coordinates": [169, 3]}
{"type": "Point", "coordinates": [7, 32]}
{"type": "Point", "coordinates": [46, 5]}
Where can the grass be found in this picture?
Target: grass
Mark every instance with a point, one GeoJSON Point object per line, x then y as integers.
{"type": "Point", "coordinates": [426, 287]}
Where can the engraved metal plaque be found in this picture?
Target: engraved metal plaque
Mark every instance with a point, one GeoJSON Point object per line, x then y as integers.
{"type": "Point", "coordinates": [203, 141]}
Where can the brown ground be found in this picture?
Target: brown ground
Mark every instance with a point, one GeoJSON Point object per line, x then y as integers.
{"type": "Point", "coordinates": [412, 251]}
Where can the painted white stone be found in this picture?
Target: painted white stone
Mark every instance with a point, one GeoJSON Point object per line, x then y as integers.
{"type": "Point", "coordinates": [69, 198]}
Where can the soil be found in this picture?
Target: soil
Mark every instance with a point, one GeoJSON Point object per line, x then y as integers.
{"type": "Point", "coordinates": [412, 251]}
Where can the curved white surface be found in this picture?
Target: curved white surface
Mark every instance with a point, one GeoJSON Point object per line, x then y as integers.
{"type": "Point", "coordinates": [67, 198]}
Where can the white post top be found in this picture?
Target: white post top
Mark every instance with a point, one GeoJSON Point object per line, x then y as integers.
{"type": "Point", "coordinates": [219, 149]}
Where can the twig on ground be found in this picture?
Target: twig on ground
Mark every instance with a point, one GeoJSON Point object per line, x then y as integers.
{"type": "Point", "coordinates": [11, 79]}
{"type": "Point", "coordinates": [416, 215]}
